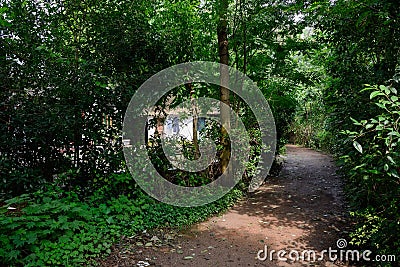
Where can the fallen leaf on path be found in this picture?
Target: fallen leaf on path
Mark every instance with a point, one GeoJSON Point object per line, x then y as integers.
{"type": "Point", "coordinates": [155, 239]}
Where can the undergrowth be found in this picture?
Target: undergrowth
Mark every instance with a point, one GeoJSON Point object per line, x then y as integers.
{"type": "Point", "coordinates": [54, 227]}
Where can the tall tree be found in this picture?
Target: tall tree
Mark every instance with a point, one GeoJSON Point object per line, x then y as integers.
{"type": "Point", "coordinates": [222, 32]}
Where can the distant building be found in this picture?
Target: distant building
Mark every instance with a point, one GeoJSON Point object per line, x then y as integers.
{"type": "Point", "coordinates": [178, 122]}
{"type": "Point", "coordinates": [174, 125]}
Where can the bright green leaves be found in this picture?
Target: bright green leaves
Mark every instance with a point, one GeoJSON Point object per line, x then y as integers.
{"type": "Point", "coordinates": [358, 146]}
{"type": "Point", "coordinates": [386, 125]}
{"type": "Point", "coordinates": [394, 90]}
{"type": "Point", "coordinates": [362, 40]}
{"type": "Point", "coordinates": [3, 17]}
{"type": "Point", "coordinates": [390, 93]}
{"type": "Point", "coordinates": [375, 180]}
{"type": "Point", "coordinates": [55, 236]}
{"type": "Point", "coordinates": [375, 94]}
{"type": "Point", "coordinates": [384, 89]}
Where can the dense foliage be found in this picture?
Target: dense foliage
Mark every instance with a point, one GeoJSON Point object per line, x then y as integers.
{"type": "Point", "coordinates": [358, 45]}
{"type": "Point", "coordinates": [373, 170]}
{"type": "Point", "coordinates": [53, 227]}
{"type": "Point", "coordinates": [68, 71]}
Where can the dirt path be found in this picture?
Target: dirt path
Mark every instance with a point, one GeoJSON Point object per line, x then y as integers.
{"type": "Point", "coordinates": [302, 209]}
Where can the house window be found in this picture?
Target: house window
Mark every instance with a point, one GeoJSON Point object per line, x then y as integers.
{"type": "Point", "coordinates": [175, 125]}
{"type": "Point", "coordinates": [201, 124]}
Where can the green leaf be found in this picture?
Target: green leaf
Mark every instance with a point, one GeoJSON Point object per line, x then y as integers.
{"type": "Point", "coordinates": [375, 94]}
{"type": "Point", "coordinates": [31, 238]}
{"type": "Point", "coordinates": [394, 174]}
{"type": "Point", "coordinates": [355, 122]}
{"type": "Point", "coordinates": [62, 219]}
{"type": "Point", "coordinates": [368, 126]}
{"type": "Point", "coordinates": [18, 241]}
{"type": "Point", "coordinates": [394, 133]}
{"type": "Point", "coordinates": [110, 220]}
{"type": "Point", "coordinates": [13, 254]}
{"type": "Point", "coordinates": [30, 225]}
{"type": "Point", "coordinates": [358, 146]}
{"type": "Point", "coordinates": [40, 47]}
{"type": "Point", "coordinates": [386, 167]}
{"type": "Point", "coordinates": [380, 105]}
{"type": "Point", "coordinates": [4, 23]}
{"type": "Point", "coordinates": [382, 87]}
{"type": "Point", "coordinates": [391, 159]}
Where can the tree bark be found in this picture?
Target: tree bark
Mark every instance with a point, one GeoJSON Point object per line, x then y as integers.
{"type": "Point", "coordinates": [195, 120]}
{"type": "Point", "coordinates": [224, 91]}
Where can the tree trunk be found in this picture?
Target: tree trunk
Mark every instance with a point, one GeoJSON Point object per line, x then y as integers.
{"type": "Point", "coordinates": [243, 20]}
{"type": "Point", "coordinates": [224, 91]}
{"type": "Point", "coordinates": [195, 120]}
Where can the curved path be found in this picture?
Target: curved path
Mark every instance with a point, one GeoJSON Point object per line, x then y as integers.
{"type": "Point", "coordinates": [303, 209]}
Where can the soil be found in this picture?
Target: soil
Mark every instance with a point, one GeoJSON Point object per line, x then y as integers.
{"type": "Point", "coordinates": [301, 209]}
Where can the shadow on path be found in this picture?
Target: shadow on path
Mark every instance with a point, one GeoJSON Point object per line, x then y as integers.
{"type": "Point", "coordinates": [302, 209]}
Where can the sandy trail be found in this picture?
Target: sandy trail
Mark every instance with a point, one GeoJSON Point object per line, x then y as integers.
{"type": "Point", "coordinates": [301, 209]}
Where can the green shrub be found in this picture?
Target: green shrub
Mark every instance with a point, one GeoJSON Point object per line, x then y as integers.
{"type": "Point", "coordinates": [55, 228]}
{"type": "Point", "coordinates": [373, 169]}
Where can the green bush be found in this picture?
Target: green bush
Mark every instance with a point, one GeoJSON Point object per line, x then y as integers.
{"type": "Point", "coordinates": [55, 228]}
{"type": "Point", "coordinates": [63, 97]}
{"type": "Point", "coordinates": [373, 169]}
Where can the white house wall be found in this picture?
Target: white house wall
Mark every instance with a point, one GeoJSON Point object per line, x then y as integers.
{"type": "Point", "coordinates": [185, 128]}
